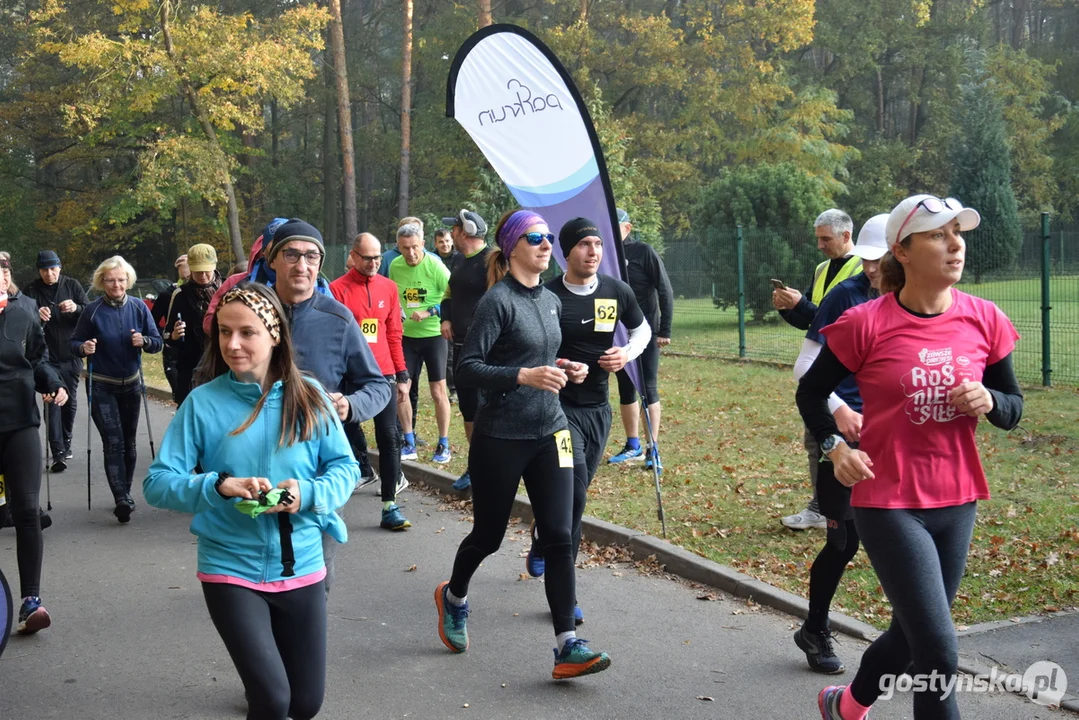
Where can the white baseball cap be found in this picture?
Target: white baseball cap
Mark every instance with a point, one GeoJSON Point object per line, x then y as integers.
{"type": "Point", "coordinates": [872, 242]}
{"type": "Point", "coordinates": [919, 213]}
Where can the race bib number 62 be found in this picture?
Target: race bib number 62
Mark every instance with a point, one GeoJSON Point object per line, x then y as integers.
{"type": "Point", "coordinates": [606, 315]}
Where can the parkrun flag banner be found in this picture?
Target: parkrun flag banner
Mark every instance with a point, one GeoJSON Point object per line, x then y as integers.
{"type": "Point", "coordinates": [521, 108]}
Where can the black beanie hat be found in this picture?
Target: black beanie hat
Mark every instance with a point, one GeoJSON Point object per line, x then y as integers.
{"type": "Point", "coordinates": [574, 231]}
{"type": "Point", "coordinates": [294, 229]}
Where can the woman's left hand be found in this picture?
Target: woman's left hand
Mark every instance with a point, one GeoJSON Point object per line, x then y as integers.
{"type": "Point", "coordinates": [293, 487]}
{"type": "Point", "coordinates": [971, 398]}
{"type": "Point", "coordinates": [576, 372]}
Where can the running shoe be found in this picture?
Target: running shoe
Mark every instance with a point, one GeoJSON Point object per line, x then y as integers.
{"type": "Point", "coordinates": [58, 465]}
{"type": "Point", "coordinates": [392, 519]}
{"type": "Point", "coordinates": [402, 483]}
{"type": "Point", "coordinates": [578, 615]}
{"type": "Point", "coordinates": [805, 520]}
{"type": "Point", "coordinates": [366, 480]}
{"type": "Point", "coordinates": [68, 454]}
{"type": "Point", "coordinates": [44, 519]}
{"type": "Point", "coordinates": [442, 454]}
{"type": "Point", "coordinates": [123, 511]}
{"type": "Point", "coordinates": [653, 458]}
{"type": "Point", "coordinates": [463, 483]}
{"type": "Point", "coordinates": [628, 454]}
{"type": "Point", "coordinates": [408, 452]}
{"type": "Point", "coordinates": [577, 659]}
{"type": "Point", "coordinates": [452, 620]}
{"type": "Point", "coordinates": [32, 616]}
{"type": "Point", "coordinates": [828, 702]}
{"type": "Point", "coordinates": [534, 563]}
{"type": "Point", "coordinates": [819, 651]}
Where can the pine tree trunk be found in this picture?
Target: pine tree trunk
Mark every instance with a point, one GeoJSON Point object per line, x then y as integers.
{"type": "Point", "coordinates": [344, 121]}
{"type": "Point", "coordinates": [406, 110]}
{"type": "Point", "coordinates": [485, 13]}
{"type": "Point", "coordinates": [329, 165]}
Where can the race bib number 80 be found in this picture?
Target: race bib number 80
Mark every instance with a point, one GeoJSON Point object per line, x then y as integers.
{"type": "Point", "coordinates": [564, 444]}
{"type": "Point", "coordinates": [369, 328]}
{"type": "Point", "coordinates": [606, 315]}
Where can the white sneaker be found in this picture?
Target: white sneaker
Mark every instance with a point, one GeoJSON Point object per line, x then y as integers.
{"type": "Point", "coordinates": [402, 483]}
{"type": "Point", "coordinates": [805, 520]}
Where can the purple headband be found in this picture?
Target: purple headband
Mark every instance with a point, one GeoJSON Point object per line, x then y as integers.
{"type": "Point", "coordinates": [515, 227]}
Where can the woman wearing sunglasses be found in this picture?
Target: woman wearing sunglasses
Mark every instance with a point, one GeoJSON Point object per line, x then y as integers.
{"type": "Point", "coordinates": [929, 361]}
{"type": "Point", "coordinates": [519, 431]}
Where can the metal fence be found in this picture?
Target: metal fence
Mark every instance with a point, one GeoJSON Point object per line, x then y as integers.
{"type": "Point", "coordinates": [1036, 284]}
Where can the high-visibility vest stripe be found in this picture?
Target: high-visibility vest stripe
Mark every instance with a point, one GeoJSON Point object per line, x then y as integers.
{"type": "Point", "coordinates": [852, 267]}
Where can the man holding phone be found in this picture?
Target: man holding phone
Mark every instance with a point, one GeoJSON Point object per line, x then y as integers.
{"type": "Point", "coordinates": [833, 229]}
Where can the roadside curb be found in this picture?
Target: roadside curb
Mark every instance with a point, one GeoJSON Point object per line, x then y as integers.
{"type": "Point", "coordinates": [675, 560]}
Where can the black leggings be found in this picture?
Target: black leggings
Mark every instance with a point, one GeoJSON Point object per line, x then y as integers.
{"type": "Point", "coordinates": [496, 467]}
{"type": "Point", "coordinates": [20, 464]}
{"type": "Point", "coordinates": [115, 411]}
{"type": "Point", "coordinates": [277, 641]}
{"type": "Point", "coordinates": [388, 441]}
{"type": "Point", "coordinates": [919, 557]}
{"type": "Point", "coordinates": [826, 573]}
{"type": "Point", "coordinates": [648, 365]}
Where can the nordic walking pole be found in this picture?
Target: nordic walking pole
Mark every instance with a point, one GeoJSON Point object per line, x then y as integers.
{"type": "Point", "coordinates": [146, 408]}
{"type": "Point", "coordinates": [89, 420]}
{"type": "Point", "coordinates": [48, 470]}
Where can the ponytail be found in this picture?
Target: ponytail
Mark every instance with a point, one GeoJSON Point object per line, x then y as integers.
{"type": "Point", "coordinates": [892, 275]}
{"type": "Point", "coordinates": [497, 266]}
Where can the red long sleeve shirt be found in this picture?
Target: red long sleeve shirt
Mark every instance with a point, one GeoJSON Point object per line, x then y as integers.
{"type": "Point", "coordinates": [373, 301]}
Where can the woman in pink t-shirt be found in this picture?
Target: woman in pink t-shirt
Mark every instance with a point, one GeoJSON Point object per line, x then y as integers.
{"type": "Point", "coordinates": [929, 361]}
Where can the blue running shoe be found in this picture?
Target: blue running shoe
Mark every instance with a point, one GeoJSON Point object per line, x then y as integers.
{"type": "Point", "coordinates": [534, 563]}
{"type": "Point", "coordinates": [653, 459]}
{"type": "Point", "coordinates": [576, 660]}
{"type": "Point", "coordinates": [408, 452]}
{"type": "Point", "coordinates": [828, 702]}
{"type": "Point", "coordinates": [578, 615]}
{"type": "Point", "coordinates": [452, 620]}
{"type": "Point", "coordinates": [32, 616]}
{"type": "Point", "coordinates": [442, 454]}
{"type": "Point", "coordinates": [628, 454]}
{"type": "Point", "coordinates": [463, 483]}
{"type": "Point", "coordinates": [392, 519]}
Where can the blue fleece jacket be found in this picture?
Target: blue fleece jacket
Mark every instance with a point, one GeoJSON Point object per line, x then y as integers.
{"type": "Point", "coordinates": [329, 346]}
{"type": "Point", "coordinates": [111, 326]}
{"type": "Point", "coordinates": [231, 543]}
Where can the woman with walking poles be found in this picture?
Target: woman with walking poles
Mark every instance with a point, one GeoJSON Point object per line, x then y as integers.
{"type": "Point", "coordinates": [929, 361]}
{"type": "Point", "coordinates": [23, 368]}
{"type": "Point", "coordinates": [277, 467]}
{"type": "Point", "coordinates": [112, 334]}
{"type": "Point", "coordinates": [520, 431]}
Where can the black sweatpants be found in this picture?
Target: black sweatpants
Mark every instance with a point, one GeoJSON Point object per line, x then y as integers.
{"type": "Point", "coordinates": [115, 410]}
{"type": "Point", "coordinates": [277, 641]}
{"type": "Point", "coordinates": [388, 442]}
{"type": "Point", "coordinates": [919, 557]}
{"type": "Point", "coordinates": [589, 428]}
{"type": "Point", "coordinates": [496, 467]}
{"type": "Point", "coordinates": [20, 464]}
{"type": "Point", "coordinates": [62, 420]}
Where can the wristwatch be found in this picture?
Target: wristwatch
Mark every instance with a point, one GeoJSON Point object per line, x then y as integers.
{"type": "Point", "coordinates": [830, 444]}
{"type": "Point", "coordinates": [221, 477]}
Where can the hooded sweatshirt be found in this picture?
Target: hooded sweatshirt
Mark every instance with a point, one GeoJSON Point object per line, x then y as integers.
{"type": "Point", "coordinates": [231, 543]}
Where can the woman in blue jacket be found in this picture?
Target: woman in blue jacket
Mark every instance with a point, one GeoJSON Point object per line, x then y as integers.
{"type": "Point", "coordinates": [113, 332]}
{"type": "Point", "coordinates": [259, 428]}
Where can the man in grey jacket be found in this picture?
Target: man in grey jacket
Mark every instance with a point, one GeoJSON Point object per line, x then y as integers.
{"type": "Point", "coordinates": [325, 336]}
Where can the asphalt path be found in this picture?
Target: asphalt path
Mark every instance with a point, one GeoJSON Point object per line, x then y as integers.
{"type": "Point", "coordinates": [131, 637]}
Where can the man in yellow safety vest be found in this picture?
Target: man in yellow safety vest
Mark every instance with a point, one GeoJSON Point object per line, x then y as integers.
{"type": "Point", "coordinates": [833, 229]}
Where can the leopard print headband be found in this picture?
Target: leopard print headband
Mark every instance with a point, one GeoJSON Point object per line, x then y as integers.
{"type": "Point", "coordinates": [259, 305]}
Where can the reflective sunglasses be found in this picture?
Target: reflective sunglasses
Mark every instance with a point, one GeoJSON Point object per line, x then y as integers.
{"type": "Point", "coordinates": [932, 205]}
{"type": "Point", "coordinates": [537, 238]}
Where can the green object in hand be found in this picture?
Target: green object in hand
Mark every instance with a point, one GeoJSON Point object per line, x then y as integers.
{"type": "Point", "coordinates": [267, 500]}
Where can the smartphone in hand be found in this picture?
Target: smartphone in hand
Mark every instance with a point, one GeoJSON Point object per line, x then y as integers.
{"type": "Point", "coordinates": [778, 284]}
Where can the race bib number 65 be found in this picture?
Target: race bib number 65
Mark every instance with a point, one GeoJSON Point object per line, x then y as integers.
{"type": "Point", "coordinates": [412, 297]}
{"type": "Point", "coordinates": [606, 315]}
{"type": "Point", "coordinates": [564, 444]}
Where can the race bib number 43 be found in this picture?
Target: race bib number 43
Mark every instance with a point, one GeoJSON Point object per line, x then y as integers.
{"type": "Point", "coordinates": [606, 315]}
{"type": "Point", "coordinates": [369, 328]}
{"type": "Point", "coordinates": [564, 444]}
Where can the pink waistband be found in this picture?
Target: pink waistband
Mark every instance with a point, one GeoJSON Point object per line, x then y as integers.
{"type": "Point", "coordinates": [276, 586]}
